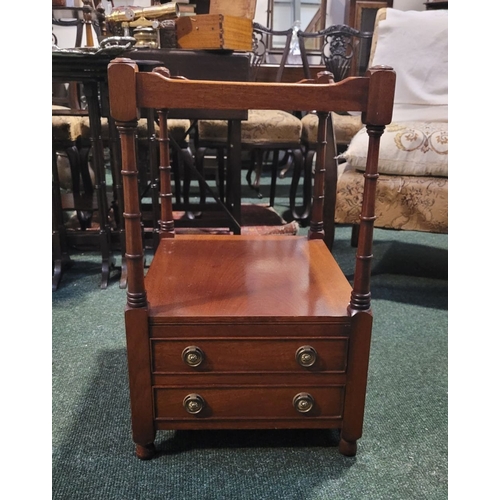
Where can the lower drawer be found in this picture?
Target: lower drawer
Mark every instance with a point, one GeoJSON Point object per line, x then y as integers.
{"type": "Point", "coordinates": [250, 402]}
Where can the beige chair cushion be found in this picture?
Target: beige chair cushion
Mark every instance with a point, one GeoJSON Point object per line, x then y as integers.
{"type": "Point", "coordinates": [65, 128]}
{"type": "Point", "coordinates": [262, 127]}
{"type": "Point", "coordinates": [344, 126]}
{"type": "Point", "coordinates": [176, 127]}
{"type": "Point", "coordinates": [402, 202]}
{"type": "Point", "coordinates": [409, 148]}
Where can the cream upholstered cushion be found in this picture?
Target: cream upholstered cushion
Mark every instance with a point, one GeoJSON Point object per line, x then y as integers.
{"type": "Point", "coordinates": [176, 127]}
{"type": "Point", "coordinates": [406, 148]}
{"type": "Point", "coordinates": [262, 127]}
{"type": "Point", "coordinates": [344, 126]}
{"type": "Point", "coordinates": [65, 128]}
{"type": "Point", "coordinates": [414, 203]}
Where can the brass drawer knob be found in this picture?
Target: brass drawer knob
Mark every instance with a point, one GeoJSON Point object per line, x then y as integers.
{"type": "Point", "coordinates": [193, 403]}
{"type": "Point", "coordinates": [306, 356]}
{"type": "Point", "coordinates": [193, 356]}
{"type": "Point", "coordinates": [303, 402]}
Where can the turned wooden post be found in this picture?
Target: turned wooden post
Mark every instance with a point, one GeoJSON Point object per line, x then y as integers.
{"type": "Point", "coordinates": [381, 89]}
{"type": "Point", "coordinates": [316, 227]}
{"type": "Point", "coordinates": [122, 75]}
{"type": "Point", "coordinates": [166, 222]}
{"type": "Point", "coordinates": [123, 106]}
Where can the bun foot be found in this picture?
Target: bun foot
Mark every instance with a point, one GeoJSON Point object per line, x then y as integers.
{"type": "Point", "coordinates": [348, 448]}
{"type": "Point", "coordinates": [145, 452]}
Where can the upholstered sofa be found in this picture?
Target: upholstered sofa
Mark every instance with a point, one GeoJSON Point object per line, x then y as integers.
{"type": "Point", "coordinates": [412, 191]}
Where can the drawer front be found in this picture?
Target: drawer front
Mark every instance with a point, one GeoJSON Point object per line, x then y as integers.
{"type": "Point", "coordinates": [248, 355]}
{"type": "Point", "coordinates": [244, 403]}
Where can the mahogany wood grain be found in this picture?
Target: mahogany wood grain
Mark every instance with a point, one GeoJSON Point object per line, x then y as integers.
{"type": "Point", "coordinates": [259, 403]}
{"type": "Point", "coordinates": [245, 305]}
{"type": "Point", "coordinates": [239, 277]}
{"type": "Point", "coordinates": [261, 355]}
{"type": "Point", "coordinates": [156, 90]}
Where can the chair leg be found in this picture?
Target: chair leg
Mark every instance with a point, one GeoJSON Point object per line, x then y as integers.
{"type": "Point", "coordinates": [221, 173]}
{"type": "Point", "coordinates": [257, 159]}
{"type": "Point", "coordinates": [302, 161]}
{"type": "Point", "coordinates": [274, 175]}
{"type": "Point", "coordinates": [186, 163]}
{"type": "Point", "coordinates": [199, 164]}
{"type": "Point", "coordinates": [177, 173]}
{"type": "Point", "coordinates": [78, 156]}
{"type": "Point", "coordinates": [288, 163]}
{"type": "Point", "coordinates": [60, 255]}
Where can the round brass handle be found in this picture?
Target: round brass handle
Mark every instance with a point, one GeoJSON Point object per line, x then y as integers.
{"type": "Point", "coordinates": [193, 403]}
{"type": "Point", "coordinates": [306, 356]}
{"type": "Point", "coordinates": [303, 402]}
{"type": "Point", "coordinates": [193, 356]}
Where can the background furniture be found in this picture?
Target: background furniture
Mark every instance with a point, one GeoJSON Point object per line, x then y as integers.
{"type": "Point", "coordinates": [245, 331]}
{"type": "Point", "coordinates": [412, 191]}
{"type": "Point", "coordinates": [338, 49]}
{"type": "Point", "coordinates": [265, 131]}
{"type": "Point", "coordinates": [96, 129]}
{"type": "Point", "coordinates": [360, 15]}
{"type": "Point", "coordinates": [209, 65]}
{"type": "Point", "coordinates": [90, 71]}
{"type": "Point", "coordinates": [435, 4]}
{"type": "Point", "coordinates": [71, 27]}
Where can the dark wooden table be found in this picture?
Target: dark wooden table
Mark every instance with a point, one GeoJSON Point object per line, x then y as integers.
{"type": "Point", "coordinates": [91, 71]}
{"type": "Point", "coordinates": [211, 65]}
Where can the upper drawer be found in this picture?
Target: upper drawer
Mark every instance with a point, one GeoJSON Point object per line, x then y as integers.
{"type": "Point", "coordinates": [247, 355]}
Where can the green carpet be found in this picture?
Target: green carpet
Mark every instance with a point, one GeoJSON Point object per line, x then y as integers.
{"type": "Point", "coordinates": [402, 455]}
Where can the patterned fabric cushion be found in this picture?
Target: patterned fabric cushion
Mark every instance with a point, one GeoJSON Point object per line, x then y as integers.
{"type": "Point", "coordinates": [403, 202]}
{"type": "Point", "coordinates": [406, 148]}
{"type": "Point", "coordinates": [344, 126]}
{"type": "Point", "coordinates": [262, 127]}
{"type": "Point", "coordinates": [177, 127]}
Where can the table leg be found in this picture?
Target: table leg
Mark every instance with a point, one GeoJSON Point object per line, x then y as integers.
{"type": "Point", "coordinates": [91, 92]}
{"type": "Point", "coordinates": [115, 154]}
{"type": "Point", "coordinates": [60, 255]}
{"type": "Point", "coordinates": [233, 196]}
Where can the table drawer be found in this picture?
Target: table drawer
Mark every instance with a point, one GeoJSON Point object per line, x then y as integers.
{"type": "Point", "coordinates": [256, 403]}
{"type": "Point", "coordinates": [247, 355]}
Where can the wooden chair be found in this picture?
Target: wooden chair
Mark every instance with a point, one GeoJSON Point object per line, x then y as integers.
{"type": "Point", "coordinates": [338, 48]}
{"type": "Point", "coordinates": [239, 331]}
{"type": "Point", "coordinates": [265, 132]}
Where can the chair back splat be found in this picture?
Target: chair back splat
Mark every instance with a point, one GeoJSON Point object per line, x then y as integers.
{"type": "Point", "coordinates": [339, 47]}
{"type": "Point", "coordinates": [246, 331]}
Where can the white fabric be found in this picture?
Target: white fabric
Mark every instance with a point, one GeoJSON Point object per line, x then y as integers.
{"type": "Point", "coordinates": [415, 44]}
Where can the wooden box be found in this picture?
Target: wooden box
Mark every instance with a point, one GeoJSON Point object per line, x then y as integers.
{"type": "Point", "coordinates": [214, 31]}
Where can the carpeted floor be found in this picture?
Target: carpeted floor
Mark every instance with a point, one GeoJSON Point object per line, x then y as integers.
{"type": "Point", "coordinates": [402, 455]}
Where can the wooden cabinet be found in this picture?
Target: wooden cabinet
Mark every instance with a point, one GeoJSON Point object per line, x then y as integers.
{"type": "Point", "coordinates": [435, 5]}
{"type": "Point", "coordinates": [360, 14]}
{"type": "Point", "coordinates": [249, 375]}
